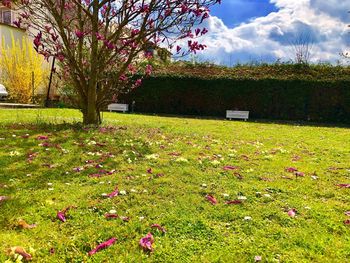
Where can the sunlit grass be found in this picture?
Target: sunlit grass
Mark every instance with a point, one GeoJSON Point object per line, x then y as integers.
{"type": "Point", "coordinates": [167, 166]}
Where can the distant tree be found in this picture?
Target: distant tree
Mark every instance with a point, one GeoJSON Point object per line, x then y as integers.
{"type": "Point", "coordinates": [102, 43]}
{"type": "Point", "coordinates": [302, 47]}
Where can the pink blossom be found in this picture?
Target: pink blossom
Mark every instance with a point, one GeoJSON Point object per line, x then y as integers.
{"type": "Point", "coordinates": [18, 22]}
{"type": "Point", "coordinates": [197, 31]}
{"type": "Point", "coordinates": [103, 245]}
{"type": "Point", "coordinates": [149, 69]}
{"type": "Point", "coordinates": [123, 77]}
{"type": "Point", "coordinates": [79, 33]}
{"type": "Point", "coordinates": [204, 31]}
{"type": "Point", "coordinates": [147, 242]}
{"type": "Point", "coordinates": [37, 41]}
{"type": "Point", "coordinates": [99, 36]}
{"type": "Point", "coordinates": [138, 83]}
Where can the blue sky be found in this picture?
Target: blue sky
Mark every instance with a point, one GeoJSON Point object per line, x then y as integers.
{"type": "Point", "coordinates": [261, 30]}
{"type": "Point", "coordinates": [234, 12]}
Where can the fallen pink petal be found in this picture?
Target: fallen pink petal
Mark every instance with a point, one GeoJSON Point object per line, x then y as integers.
{"type": "Point", "coordinates": [23, 224]}
{"type": "Point", "coordinates": [211, 199]}
{"type": "Point", "coordinates": [42, 138]}
{"type": "Point", "coordinates": [299, 174]}
{"type": "Point", "coordinates": [291, 169]}
{"type": "Point", "coordinates": [21, 251]}
{"type": "Point", "coordinates": [77, 169]}
{"type": "Point", "coordinates": [257, 258]}
{"type": "Point", "coordinates": [111, 216]}
{"type": "Point", "coordinates": [343, 185]}
{"type": "Point", "coordinates": [103, 245]}
{"type": "Point", "coordinates": [147, 242]}
{"type": "Point", "coordinates": [159, 227]}
{"type": "Point", "coordinates": [125, 218]}
{"type": "Point", "coordinates": [114, 193]}
{"type": "Point", "coordinates": [292, 212]}
{"type": "Point", "coordinates": [61, 216]}
{"type": "Point", "coordinates": [230, 168]}
{"type": "Point", "coordinates": [3, 198]}
{"type": "Point", "coordinates": [347, 213]}
{"type": "Point", "coordinates": [95, 175]}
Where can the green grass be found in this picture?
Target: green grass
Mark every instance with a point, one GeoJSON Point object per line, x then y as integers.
{"type": "Point", "coordinates": [189, 153]}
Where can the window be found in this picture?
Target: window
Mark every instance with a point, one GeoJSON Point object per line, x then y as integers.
{"type": "Point", "coordinates": [6, 17]}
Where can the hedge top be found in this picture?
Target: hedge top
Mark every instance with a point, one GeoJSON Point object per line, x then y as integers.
{"type": "Point", "coordinates": [320, 72]}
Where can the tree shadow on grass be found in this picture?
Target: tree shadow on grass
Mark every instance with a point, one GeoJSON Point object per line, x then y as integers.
{"type": "Point", "coordinates": [302, 123]}
{"type": "Point", "coordinates": [66, 152]}
{"type": "Point", "coordinates": [262, 121]}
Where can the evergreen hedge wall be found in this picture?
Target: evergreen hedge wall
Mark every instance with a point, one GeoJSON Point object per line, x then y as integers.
{"type": "Point", "coordinates": [325, 101]}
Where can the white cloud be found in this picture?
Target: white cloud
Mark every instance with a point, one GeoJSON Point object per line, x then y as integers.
{"type": "Point", "coordinates": [267, 38]}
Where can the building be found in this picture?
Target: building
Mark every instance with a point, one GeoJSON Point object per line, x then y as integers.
{"type": "Point", "coordinates": [7, 29]}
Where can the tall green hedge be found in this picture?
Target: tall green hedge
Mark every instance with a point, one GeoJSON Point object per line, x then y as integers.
{"type": "Point", "coordinates": [325, 101]}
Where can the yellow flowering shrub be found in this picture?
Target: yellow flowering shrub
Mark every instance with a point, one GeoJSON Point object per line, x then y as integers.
{"type": "Point", "coordinates": [18, 64]}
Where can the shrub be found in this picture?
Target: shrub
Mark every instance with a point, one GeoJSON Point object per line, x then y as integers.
{"type": "Point", "coordinates": [289, 99]}
{"type": "Point", "coordinates": [18, 64]}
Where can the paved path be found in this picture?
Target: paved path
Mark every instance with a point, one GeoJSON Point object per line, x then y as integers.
{"type": "Point", "coordinates": [18, 105]}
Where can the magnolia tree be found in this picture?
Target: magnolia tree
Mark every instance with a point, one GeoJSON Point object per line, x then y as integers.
{"type": "Point", "coordinates": [102, 43]}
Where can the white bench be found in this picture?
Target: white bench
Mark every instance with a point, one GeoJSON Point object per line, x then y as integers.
{"type": "Point", "coordinates": [233, 114]}
{"type": "Point", "coordinates": [118, 107]}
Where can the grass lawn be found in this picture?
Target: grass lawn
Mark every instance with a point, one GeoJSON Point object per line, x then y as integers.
{"type": "Point", "coordinates": [165, 168]}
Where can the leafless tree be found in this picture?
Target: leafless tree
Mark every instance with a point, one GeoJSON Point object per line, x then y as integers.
{"type": "Point", "coordinates": [302, 47]}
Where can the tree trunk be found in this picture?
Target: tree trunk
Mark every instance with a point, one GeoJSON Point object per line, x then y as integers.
{"type": "Point", "coordinates": [91, 114]}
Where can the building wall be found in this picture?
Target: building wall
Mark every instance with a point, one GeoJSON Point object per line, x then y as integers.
{"type": "Point", "coordinates": [7, 30]}
{"type": "Point", "coordinates": [6, 33]}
